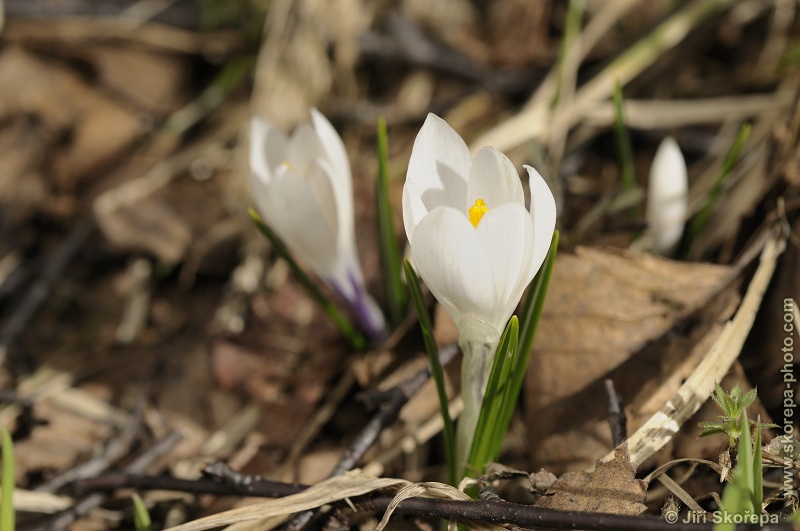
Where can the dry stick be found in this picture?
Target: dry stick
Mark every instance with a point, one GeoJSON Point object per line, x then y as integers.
{"type": "Point", "coordinates": [667, 114]}
{"type": "Point", "coordinates": [115, 451]}
{"type": "Point", "coordinates": [616, 414]}
{"type": "Point", "coordinates": [229, 486]}
{"type": "Point", "coordinates": [661, 427]}
{"type": "Point", "coordinates": [41, 289]}
{"type": "Point", "coordinates": [501, 512]}
{"type": "Point", "coordinates": [495, 510]}
{"type": "Point", "coordinates": [397, 398]}
{"type": "Point", "coordinates": [64, 519]}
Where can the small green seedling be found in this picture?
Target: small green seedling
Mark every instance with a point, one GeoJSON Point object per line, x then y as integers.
{"type": "Point", "coordinates": [733, 406]}
{"type": "Point", "coordinates": [744, 495]}
{"type": "Point", "coordinates": [141, 517]}
{"type": "Point", "coordinates": [7, 484]}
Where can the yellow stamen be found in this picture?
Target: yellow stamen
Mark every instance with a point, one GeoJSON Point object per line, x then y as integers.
{"type": "Point", "coordinates": [477, 211]}
{"type": "Point", "coordinates": [286, 164]}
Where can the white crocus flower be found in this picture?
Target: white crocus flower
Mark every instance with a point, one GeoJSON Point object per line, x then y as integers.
{"type": "Point", "coordinates": [474, 244]}
{"type": "Point", "coordinates": [303, 190]}
{"type": "Point", "coordinates": [667, 197]}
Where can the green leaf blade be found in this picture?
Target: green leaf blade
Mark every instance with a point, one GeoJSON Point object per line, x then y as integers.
{"type": "Point", "coordinates": [7, 516]}
{"type": "Point", "coordinates": [348, 330]}
{"type": "Point", "coordinates": [141, 517]}
{"type": "Point", "coordinates": [389, 247]}
{"type": "Point", "coordinates": [484, 443]}
{"type": "Point", "coordinates": [623, 142]}
{"type": "Point", "coordinates": [436, 368]}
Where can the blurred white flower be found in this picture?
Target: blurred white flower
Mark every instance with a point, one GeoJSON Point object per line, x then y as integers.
{"type": "Point", "coordinates": [667, 197]}
{"type": "Point", "coordinates": [303, 190]}
{"type": "Point", "coordinates": [474, 244]}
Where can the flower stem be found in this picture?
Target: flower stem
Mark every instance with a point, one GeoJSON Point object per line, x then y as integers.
{"type": "Point", "coordinates": [475, 369]}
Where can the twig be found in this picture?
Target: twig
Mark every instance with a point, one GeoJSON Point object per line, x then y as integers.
{"type": "Point", "coordinates": [115, 451]}
{"type": "Point", "coordinates": [396, 399]}
{"type": "Point", "coordinates": [64, 519]}
{"type": "Point", "coordinates": [257, 487]}
{"type": "Point", "coordinates": [616, 414]}
{"type": "Point", "coordinates": [40, 290]}
{"type": "Point", "coordinates": [492, 510]}
{"type": "Point", "coordinates": [502, 512]}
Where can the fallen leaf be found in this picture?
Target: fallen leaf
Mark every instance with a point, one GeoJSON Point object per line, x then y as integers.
{"type": "Point", "coordinates": [149, 225]}
{"type": "Point", "coordinates": [61, 442]}
{"type": "Point", "coordinates": [154, 82]}
{"type": "Point", "coordinates": [612, 488]}
{"type": "Point", "coordinates": [608, 314]}
{"type": "Point", "coordinates": [93, 129]}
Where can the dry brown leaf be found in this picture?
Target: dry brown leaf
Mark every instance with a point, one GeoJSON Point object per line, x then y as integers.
{"type": "Point", "coordinates": [97, 129]}
{"type": "Point", "coordinates": [59, 443]}
{"type": "Point", "coordinates": [603, 307]}
{"type": "Point", "coordinates": [612, 488]}
{"type": "Point", "coordinates": [151, 81]}
{"type": "Point", "coordinates": [661, 427]}
{"type": "Point", "coordinates": [149, 225]}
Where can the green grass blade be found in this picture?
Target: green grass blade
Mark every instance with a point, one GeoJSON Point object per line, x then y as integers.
{"type": "Point", "coordinates": [700, 220]}
{"type": "Point", "coordinates": [436, 369]}
{"type": "Point", "coordinates": [623, 142]}
{"type": "Point", "coordinates": [141, 517]}
{"type": "Point", "coordinates": [356, 339]}
{"type": "Point", "coordinates": [387, 236]}
{"type": "Point", "coordinates": [744, 465]}
{"type": "Point", "coordinates": [483, 443]}
{"type": "Point", "coordinates": [758, 472]}
{"type": "Point", "coordinates": [7, 485]}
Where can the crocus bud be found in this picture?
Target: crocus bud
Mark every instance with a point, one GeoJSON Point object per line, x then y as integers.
{"type": "Point", "coordinates": [303, 190]}
{"type": "Point", "coordinates": [666, 197]}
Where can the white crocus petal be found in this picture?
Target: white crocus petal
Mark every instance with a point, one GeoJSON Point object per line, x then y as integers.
{"type": "Point", "coordinates": [437, 172]}
{"type": "Point", "coordinates": [494, 179]}
{"type": "Point", "coordinates": [292, 206]}
{"type": "Point", "coordinates": [304, 148]}
{"type": "Point", "coordinates": [341, 180]}
{"type": "Point", "coordinates": [667, 197]}
{"type": "Point", "coordinates": [506, 235]}
{"type": "Point", "coordinates": [447, 253]}
{"type": "Point", "coordinates": [268, 147]}
{"type": "Point", "coordinates": [543, 213]}
{"type": "Point", "coordinates": [336, 154]}
{"type": "Point", "coordinates": [478, 275]}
